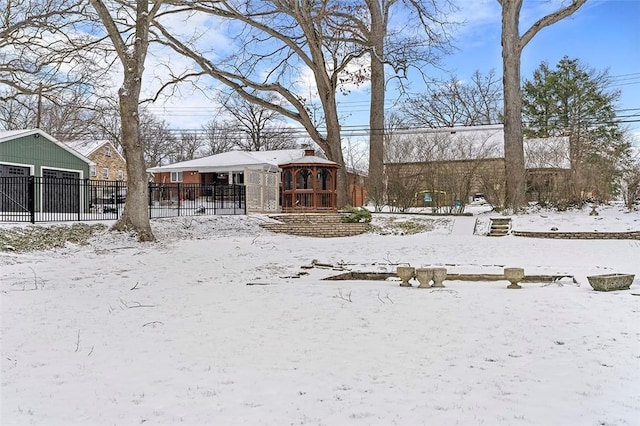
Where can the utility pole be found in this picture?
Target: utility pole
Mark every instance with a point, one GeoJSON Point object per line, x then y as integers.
{"type": "Point", "coordinates": [39, 112]}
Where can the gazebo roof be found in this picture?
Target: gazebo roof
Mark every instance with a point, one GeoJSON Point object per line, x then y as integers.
{"type": "Point", "coordinates": [310, 160]}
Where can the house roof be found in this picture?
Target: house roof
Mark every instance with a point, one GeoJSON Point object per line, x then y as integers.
{"type": "Point", "coordinates": [88, 147]}
{"type": "Point", "coordinates": [9, 135]}
{"type": "Point", "coordinates": [547, 153]}
{"type": "Point", "coordinates": [473, 143]}
{"type": "Point", "coordinates": [234, 161]}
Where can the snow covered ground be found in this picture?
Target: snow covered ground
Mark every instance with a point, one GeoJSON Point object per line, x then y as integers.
{"type": "Point", "coordinates": [120, 333]}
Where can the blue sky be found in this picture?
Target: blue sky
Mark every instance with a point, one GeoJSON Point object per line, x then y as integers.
{"type": "Point", "coordinates": [603, 34]}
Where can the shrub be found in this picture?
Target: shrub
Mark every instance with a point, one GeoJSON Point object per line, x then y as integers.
{"type": "Point", "coordinates": [357, 215]}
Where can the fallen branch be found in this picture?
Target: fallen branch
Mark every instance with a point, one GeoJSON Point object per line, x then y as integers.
{"type": "Point", "coordinates": [388, 260]}
{"type": "Point", "coordinates": [153, 323]}
{"type": "Point", "coordinates": [346, 298]}
{"type": "Point", "coordinates": [444, 290]}
{"type": "Point", "coordinates": [317, 264]}
{"type": "Point", "coordinates": [135, 305]}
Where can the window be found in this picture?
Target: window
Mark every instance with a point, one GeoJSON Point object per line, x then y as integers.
{"type": "Point", "coordinates": [120, 175]}
{"type": "Point", "coordinates": [238, 178]}
{"type": "Point", "coordinates": [107, 151]}
{"type": "Point", "coordinates": [324, 179]}
{"type": "Point", "coordinates": [302, 179]}
{"type": "Point", "coordinates": [288, 181]}
{"type": "Point", "coordinates": [105, 173]}
{"type": "Point", "coordinates": [176, 176]}
{"type": "Point", "coordinates": [93, 171]}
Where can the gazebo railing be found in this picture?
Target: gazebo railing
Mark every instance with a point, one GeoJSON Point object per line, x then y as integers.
{"type": "Point", "coordinates": [308, 201]}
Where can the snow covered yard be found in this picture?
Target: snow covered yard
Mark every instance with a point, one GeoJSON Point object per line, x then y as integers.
{"type": "Point", "coordinates": [117, 332]}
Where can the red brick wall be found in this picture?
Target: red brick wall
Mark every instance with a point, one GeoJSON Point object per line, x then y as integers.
{"type": "Point", "coordinates": [187, 177]}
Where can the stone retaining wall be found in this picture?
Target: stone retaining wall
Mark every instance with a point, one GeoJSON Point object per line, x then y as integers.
{"type": "Point", "coordinates": [323, 225]}
{"type": "Point", "coordinates": [318, 230]}
{"type": "Point", "coordinates": [632, 235]}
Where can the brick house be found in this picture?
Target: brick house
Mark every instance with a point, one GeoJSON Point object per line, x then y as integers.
{"type": "Point", "coordinates": [261, 172]}
{"type": "Point", "coordinates": [109, 163]}
{"type": "Point", "coordinates": [459, 162]}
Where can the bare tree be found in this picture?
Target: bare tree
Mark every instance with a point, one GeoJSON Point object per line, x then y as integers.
{"type": "Point", "coordinates": [263, 128]}
{"type": "Point", "coordinates": [161, 146]}
{"type": "Point", "coordinates": [447, 165]}
{"type": "Point", "coordinates": [127, 27]}
{"type": "Point", "coordinates": [512, 45]}
{"type": "Point", "coordinates": [403, 179]}
{"type": "Point", "coordinates": [454, 102]}
{"type": "Point", "coordinates": [418, 41]}
{"type": "Point", "coordinates": [73, 116]}
{"type": "Point", "coordinates": [630, 181]}
{"type": "Point", "coordinates": [278, 42]}
{"type": "Point", "coordinates": [42, 53]}
{"type": "Point", "coordinates": [189, 146]}
{"type": "Point", "coordinates": [355, 155]}
{"type": "Point", "coordinates": [219, 137]}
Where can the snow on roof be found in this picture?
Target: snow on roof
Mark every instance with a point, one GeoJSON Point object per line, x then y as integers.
{"type": "Point", "coordinates": [473, 143]}
{"type": "Point", "coordinates": [544, 153]}
{"type": "Point", "coordinates": [86, 147]}
{"type": "Point", "coordinates": [446, 144]}
{"type": "Point", "coordinates": [234, 161]}
{"type": "Point", "coordinates": [310, 159]}
{"type": "Point", "coordinates": [8, 135]}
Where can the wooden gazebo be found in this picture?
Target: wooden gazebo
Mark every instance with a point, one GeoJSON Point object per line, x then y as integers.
{"type": "Point", "coordinates": [309, 184]}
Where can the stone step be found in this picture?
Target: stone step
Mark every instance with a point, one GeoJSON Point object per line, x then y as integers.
{"type": "Point", "coordinates": [501, 220]}
{"type": "Point", "coordinates": [500, 226]}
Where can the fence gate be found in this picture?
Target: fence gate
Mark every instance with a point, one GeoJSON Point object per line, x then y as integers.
{"type": "Point", "coordinates": [60, 191]}
{"type": "Point", "coordinates": [14, 190]}
{"type": "Point", "coordinates": [263, 191]}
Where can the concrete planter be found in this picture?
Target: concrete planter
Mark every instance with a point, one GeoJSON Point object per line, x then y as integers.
{"type": "Point", "coordinates": [405, 273]}
{"type": "Point", "coordinates": [514, 276]}
{"type": "Point", "coordinates": [611, 282]}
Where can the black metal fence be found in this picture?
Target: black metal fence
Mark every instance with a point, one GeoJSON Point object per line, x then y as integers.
{"type": "Point", "coordinates": [48, 199]}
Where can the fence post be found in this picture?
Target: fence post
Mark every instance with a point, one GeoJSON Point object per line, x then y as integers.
{"type": "Point", "coordinates": [82, 195]}
{"type": "Point", "coordinates": [115, 199]}
{"type": "Point", "coordinates": [179, 198]}
{"type": "Point", "coordinates": [150, 194]}
{"type": "Point", "coordinates": [243, 194]}
{"type": "Point", "coordinates": [213, 198]}
{"type": "Point", "coordinates": [31, 202]}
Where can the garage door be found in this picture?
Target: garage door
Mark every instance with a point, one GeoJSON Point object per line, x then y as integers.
{"type": "Point", "coordinates": [14, 188]}
{"type": "Point", "coordinates": [60, 191]}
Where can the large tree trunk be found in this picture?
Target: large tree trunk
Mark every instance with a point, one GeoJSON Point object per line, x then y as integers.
{"type": "Point", "coordinates": [375, 180]}
{"type": "Point", "coordinates": [334, 153]}
{"type": "Point", "coordinates": [513, 146]}
{"type": "Point", "coordinates": [512, 45]}
{"type": "Point", "coordinates": [136, 213]}
{"type": "Point", "coordinates": [135, 217]}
